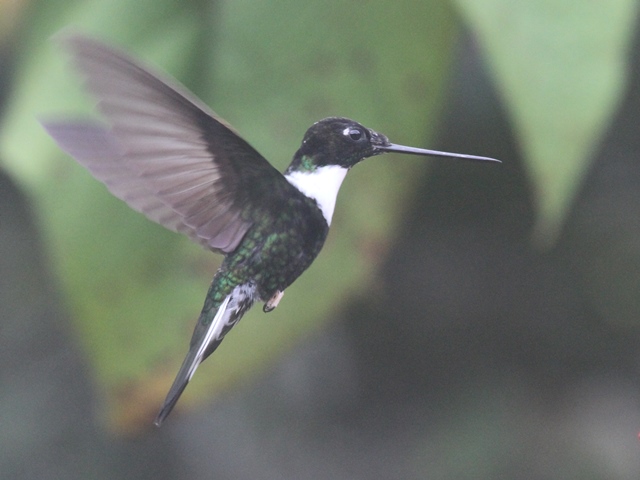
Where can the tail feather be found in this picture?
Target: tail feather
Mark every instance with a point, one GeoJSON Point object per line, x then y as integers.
{"type": "Point", "coordinates": [207, 336]}
{"type": "Point", "coordinates": [206, 344]}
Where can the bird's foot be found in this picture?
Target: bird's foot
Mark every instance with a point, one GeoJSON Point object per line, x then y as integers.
{"type": "Point", "coordinates": [273, 302]}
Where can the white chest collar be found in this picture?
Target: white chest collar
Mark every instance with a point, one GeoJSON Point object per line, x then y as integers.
{"type": "Point", "coordinates": [322, 185]}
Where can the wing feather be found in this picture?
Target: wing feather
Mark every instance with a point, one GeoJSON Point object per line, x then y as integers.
{"type": "Point", "coordinates": [166, 153]}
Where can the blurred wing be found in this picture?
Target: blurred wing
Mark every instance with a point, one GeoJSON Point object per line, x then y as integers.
{"type": "Point", "coordinates": [94, 147]}
{"type": "Point", "coordinates": [166, 154]}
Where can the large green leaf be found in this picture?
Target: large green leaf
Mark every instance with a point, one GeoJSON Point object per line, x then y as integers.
{"type": "Point", "coordinates": [561, 67]}
{"type": "Point", "coordinates": [271, 69]}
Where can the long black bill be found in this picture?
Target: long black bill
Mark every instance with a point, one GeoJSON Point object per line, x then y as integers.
{"type": "Point", "coordinates": [432, 153]}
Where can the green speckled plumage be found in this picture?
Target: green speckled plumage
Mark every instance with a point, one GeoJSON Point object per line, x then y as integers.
{"type": "Point", "coordinates": [279, 246]}
{"type": "Point", "coordinates": [274, 252]}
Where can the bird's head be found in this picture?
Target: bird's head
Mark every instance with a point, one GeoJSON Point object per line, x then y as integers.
{"type": "Point", "coordinates": [343, 142]}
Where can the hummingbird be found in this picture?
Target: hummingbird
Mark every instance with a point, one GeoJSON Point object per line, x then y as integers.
{"type": "Point", "coordinates": [171, 158]}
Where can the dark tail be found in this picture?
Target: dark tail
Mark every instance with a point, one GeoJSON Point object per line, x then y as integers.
{"type": "Point", "coordinates": [208, 334]}
{"type": "Point", "coordinates": [202, 345]}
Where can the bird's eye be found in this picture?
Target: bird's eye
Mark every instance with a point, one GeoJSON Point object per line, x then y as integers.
{"type": "Point", "coordinates": [354, 134]}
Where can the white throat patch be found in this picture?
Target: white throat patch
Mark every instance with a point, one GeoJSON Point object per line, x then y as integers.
{"type": "Point", "coordinates": [322, 185]}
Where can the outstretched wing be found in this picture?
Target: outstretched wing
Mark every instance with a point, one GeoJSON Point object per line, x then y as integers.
{"type": "Point", "coordinates": [165, 153]}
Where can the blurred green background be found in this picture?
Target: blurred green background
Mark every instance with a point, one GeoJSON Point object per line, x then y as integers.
{"type": "Point", "coordinates": [463, 321]}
